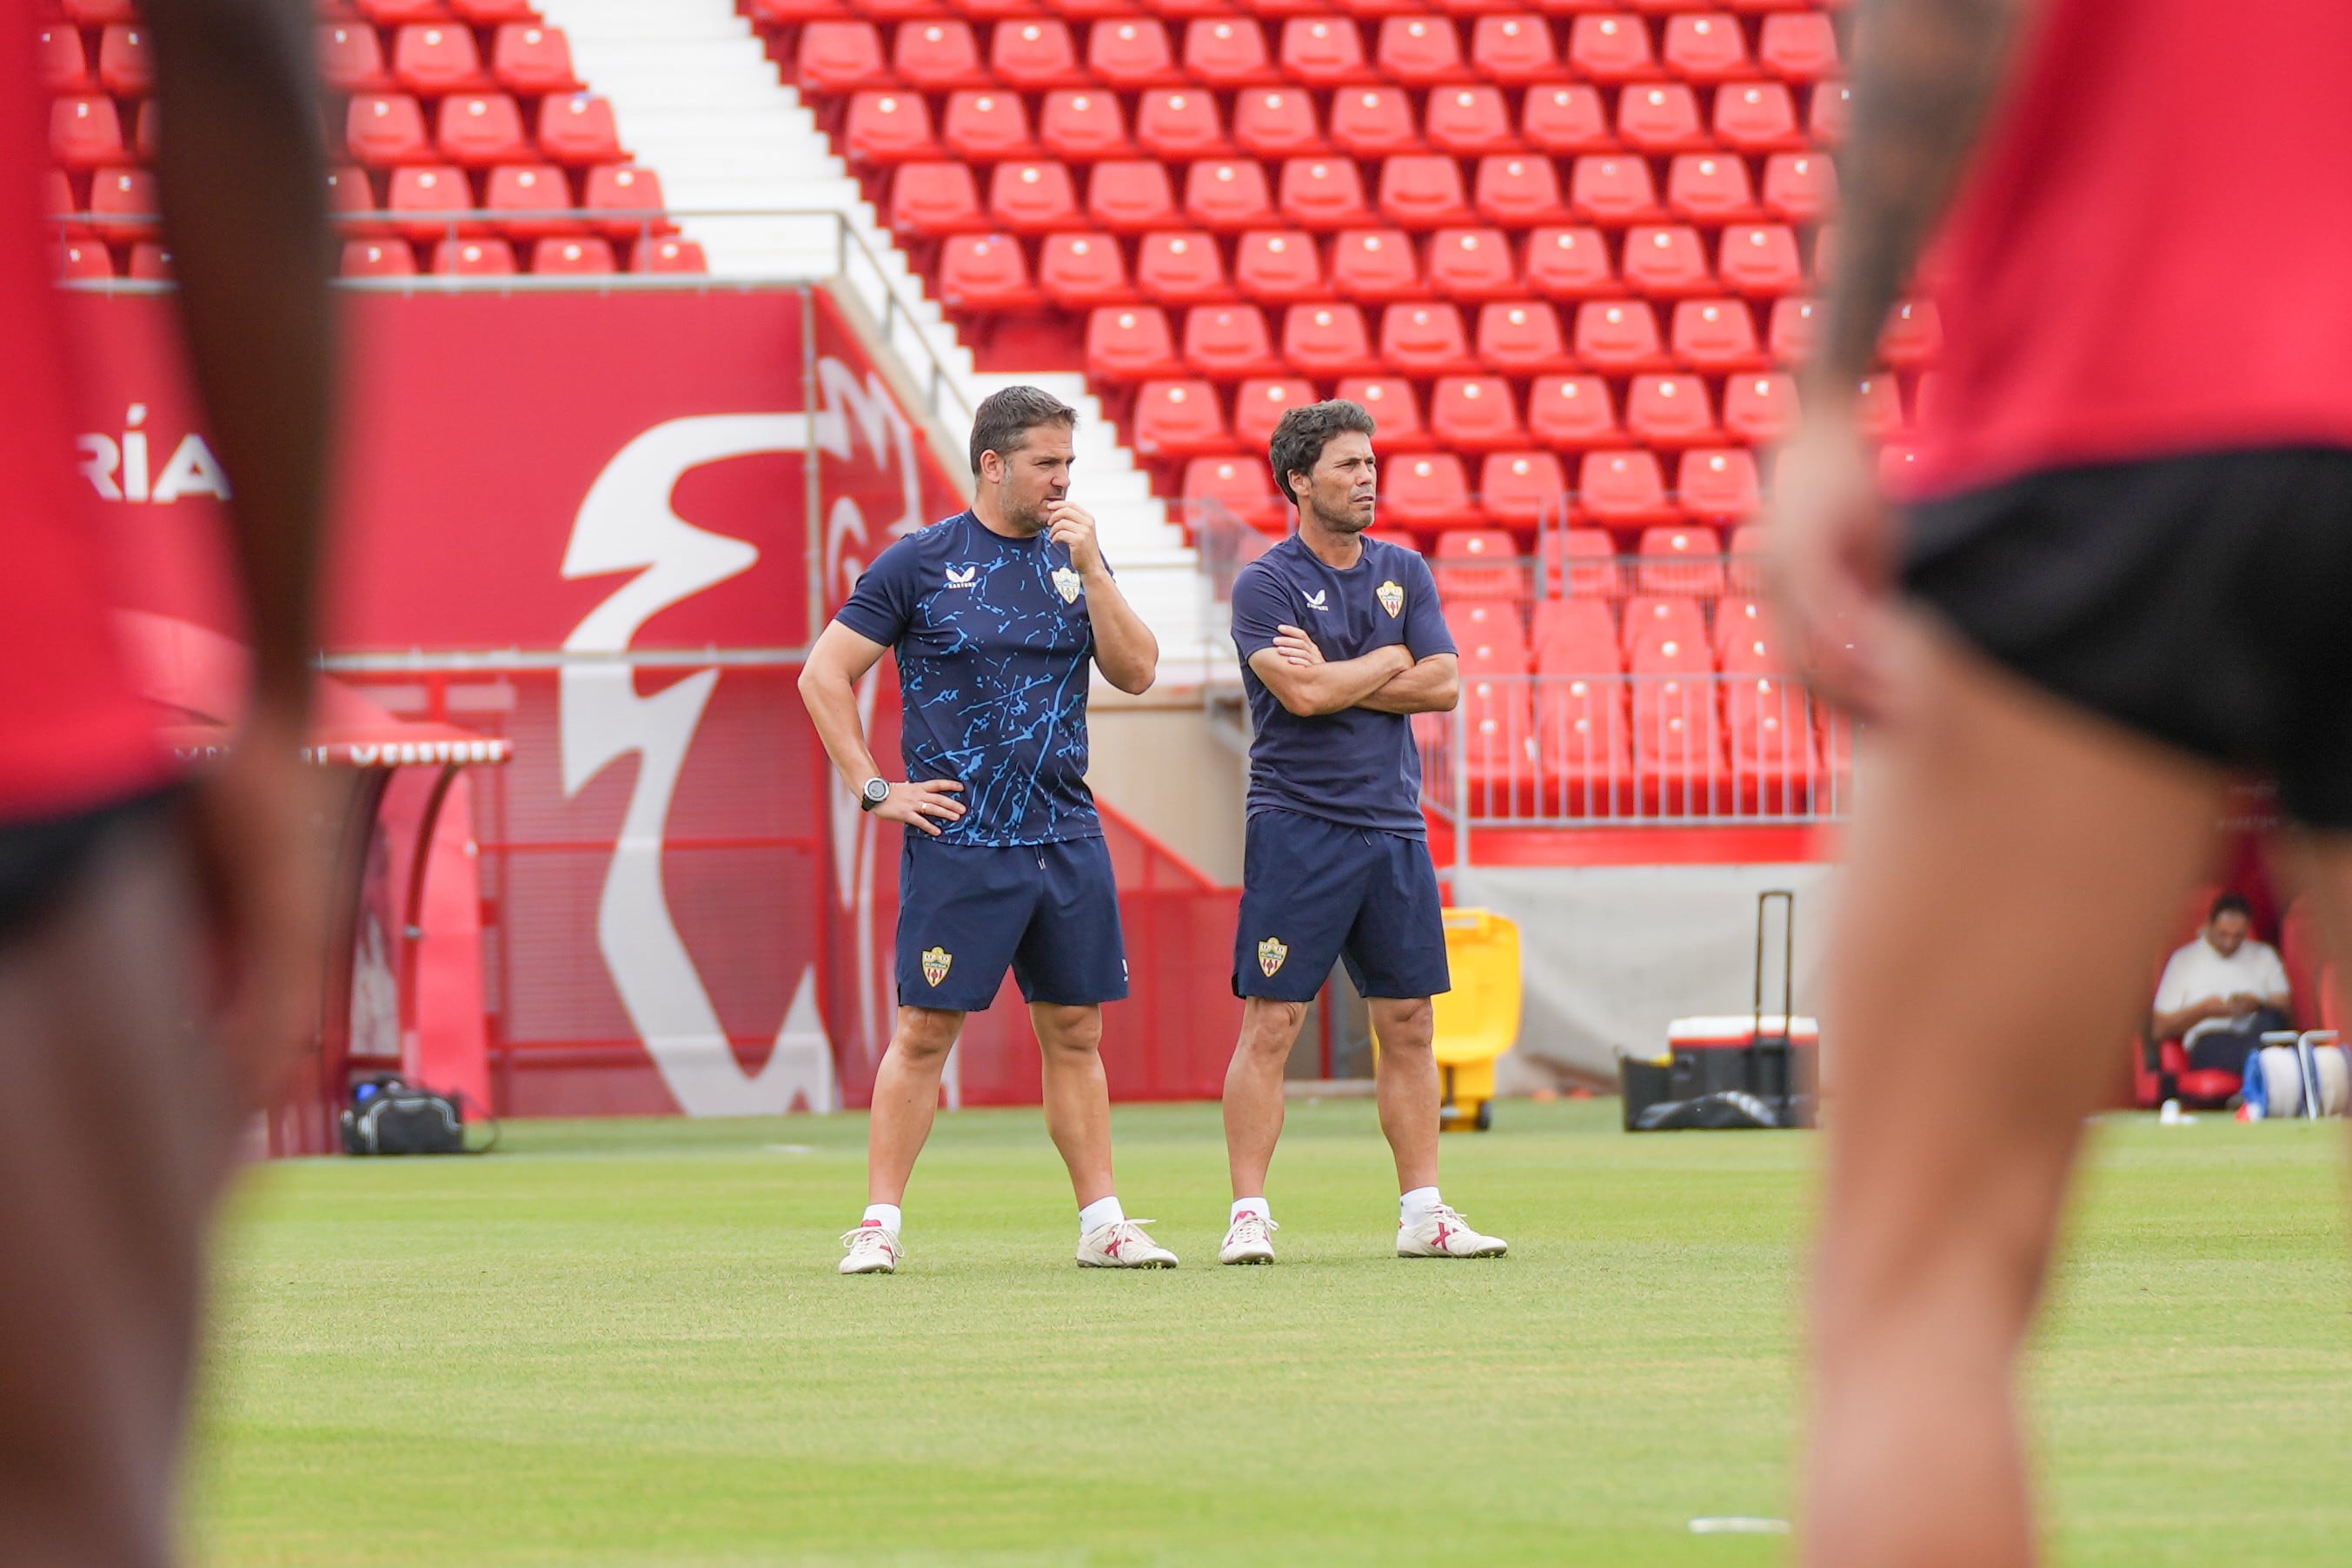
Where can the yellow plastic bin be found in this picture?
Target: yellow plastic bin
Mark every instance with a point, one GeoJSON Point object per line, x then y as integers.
{"type": "Point", "coordinates": [1478, 1020]}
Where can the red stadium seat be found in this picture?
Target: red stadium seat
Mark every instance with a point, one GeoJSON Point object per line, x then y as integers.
{"type": "Point", "coordinates": [479, 257]}
{"type": "Point", "coordinates": [578, 129]}
{"type": "Point", "coordinates": [1760, 410]}
{"type": "Point", "coordinates": [582, 256]}
{"type": "Point", "coordinates": [984, 272]}
{"type": "Point", "coordinates": [1177, 419]}
{"type": "Point", "coordinates": [1033, 198]}
{"type": "Point", "coordinates": [429, 58]}
{"type": "Point", "coordinates": [1474, 414]}
{"type": "Point", "coordinates": [1799, 188]}
{"type": "Point", "coordinates": [1611, 49]}
{"type": "Point", "coordinates": [1324, 51]}
{"type": "Point", "coordinates": [629, 196]}
{"type": "Point", "coordinates": [1322, 193]}
{"type": "Point", "coordinates": [531, 57]}
{"type": "Point", "coordinates": [1035, 55]}
{"type": "Point", "coordinates": [477, 130]}
{"type": "Point", "coordinates": [1521, 490]}
{"type": "Point", "coordinates": [1760, 261]}
{"type": "Point", "coordinates": [1679, 560]}
{"type": "Point", "coordinates": [349, 195]}
{"type": "Point", "coordinates": [1514, 49]}
{"type": "Point", "coordinates": [1427, 491]}
{"type": "Point", "coordinates": [1666, 261]}
{"type": "Point", "coordinates": [1652, 622]}
{"type": "Point", "coordinates": [521, 197]}
{"type": "Point", "coordinates": [938, 56]}
{"type": "Point", "coordinates": [1522, 338]}
{"type": "Point", "coordinates": [1229, 341]}
{"type": "Point", "coordinates": [1711, 188]}
{"type": "Point", "coordinates": [1914, 336]}
{"type": "Point", "coordinates": [1392, 403]}
{"type": "Point", "coordinates": [1704, 47]}
{"type": "Point", "coordinates": [1583, 747]}
{"type": "Point", "coordinates": [1375, 266]}
{"type": "Point", "coordinates": [1744, 565]}
{"type": "Point", "coordinates": [1794, 328]}
{"type": "Point", "coordinates": [1469, 121]}
{"type": "Point", "coordinates": [1477, 563]}
{"type": "Point", "coordinates": [1241, 485]}
{"type": "Point", "coordinates": [1472, 264]}
{"type": "Point", "coordinates": [1775, 765]}
{"type": "Point", "coordinates": [840, 57]}
{"type": "Point", "coordinates": [1227, 193]}
{"type": "Point", "coordinates": [1128, 196]}
{"type": "Point", "coordinates": [1259, 404]}
{"type": "Point", "coordinates": [1745, 639]}
{"type": "Point", "coordinates": [1326, 341]}
{"type": "Point", "coordinates": [64, 67]}
{"type": "Point", "coordinates": [1756, 117]}
{"type": "Point", "coordinates": [1612, 191]}
{"type": "Point", "coordinates": [415, 190]}
{"type": "Point", "coordinates": [1425, 191]}
{"type": "Point", "coordinates": [1797, 46]}
{"type": "Point", "coordinates": [83, 260]}
{"type": "Point", "coordinates": [1670, 410]}
{"type": "Point", "coordinates": [1373, 122]}
{"type": "Point", "coordinates": [986, 126]}
{"type": "Point", "coordinates": [1897, 469]}
{"type": "Point", "coordinates": [1662, 117]}
{"type": "Point", "coordinates": [1569, 264]}
{"type": "Point", "coordinates": [880, 127]}
{"type": "Point", "coordinates": [1715, 335]}
{"type": "Point", "coordinates": [1489, 636]}
{"type": "Point", "coordinates": [928, 199]}
{"type": "Point", "coordinates": [1521, 191]}
{"type": "Point", "coordinates": [1174, 267]}
{"type": "Point", "coordinates": [1572, 412]}
{"type": "Point", "coordinates": [1576, 635]}
{"type": "Point", "coordinates": [385, 130]}
{"type": "Point", "coordinates": [1718, 485]}
{"type": "Point", "coordinates": [351, 58]}
{"type": "Point", "coordinates": [1228, 52]}
{"type": "Point", "coordinates": [85, 131]}
{"type": "Point", "coordinates": [1181, 124]}
{"type": "Point", "coordinates": [491, 13]}
{"type": "Point", "coordinates": [1619, 336]}
{"type": "Point", "coordinates": [383, 13]}
{"type": "Point", "coordinates": [1583, 562]}
{"type": "Point", "coordinates": [1132, 53]}
{"type": "Point", "coordinates": [100, 13]}
{"type": "Point", "coordinates": [1421, 51]}
{"type": "Point", "coordinates": [1277, 122]}
{"type": "Point", "coordinates": [1623, 490]}
{"type": "Point", "coordinates": [1079, 271]}
{"type": "Point", "coordinates": [1878, 408]}
{"type": "Point", "coordinates": [1425, 340]}
{"type": "Point", "coordinates": [378, 259]}
{"type": "Point", "coordinates": [1083, 126]}
{"type": "Point", "coordinates": [1128, 342]}
{"type": "Point", "coordinates": [1278, 266]}
{"type": "Point", "coordinates": [1565, 119]}
{"type": "Point", "coordinates": [1826, 115]}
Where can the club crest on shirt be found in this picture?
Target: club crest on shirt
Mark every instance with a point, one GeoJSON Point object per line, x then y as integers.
{"type": "Point", "coordinates": [1318, 600]}
{"type": "Point", "coordinates": [936, 960]}
{"type": "Point", "coordinates": [1067, 583]}
{"type": "Point", "coordinates": [963, 579]}
{"type": "Point", "coordinates": [1270, 954]}
{"type": "Point", "coordinates": [1392, 598]}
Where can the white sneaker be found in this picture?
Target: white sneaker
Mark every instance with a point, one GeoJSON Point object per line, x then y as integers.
{"type": "Point", "coordinates": [1122, 1245]}
{"type": "Point", "coordinates": [1445, 1234]}
{"type": "Point", "coordinates": [1250, 1240]}
{"type": "Point", "coordinates": [872, 1248]}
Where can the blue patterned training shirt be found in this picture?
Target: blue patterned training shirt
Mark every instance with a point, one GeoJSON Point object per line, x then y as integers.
{"type": "Point", "coordinates": [993, 643]}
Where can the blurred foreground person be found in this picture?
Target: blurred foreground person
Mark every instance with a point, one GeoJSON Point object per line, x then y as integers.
{"type": "Point", "coordinates": [2126, 581]}
{"type": "Point", "coordinates": [159, 942]}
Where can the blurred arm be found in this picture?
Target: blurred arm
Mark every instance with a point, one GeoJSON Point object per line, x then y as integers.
{"type": "Point", "coordinates": [1432, 686]}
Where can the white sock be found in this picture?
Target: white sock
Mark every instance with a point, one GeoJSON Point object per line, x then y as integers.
{"type": "Point", "coordinates": [1417, 1205]}
{"type": "Point", "coordinates": [1099, 1213]}
{"type": "Point", "coordinates": [887, 1214]}
{"type": "Point", "coordinates": [1252, 1205]}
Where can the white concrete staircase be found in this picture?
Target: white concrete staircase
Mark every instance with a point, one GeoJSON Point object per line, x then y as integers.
{"type": "Point", "coordinates": [698, 100]}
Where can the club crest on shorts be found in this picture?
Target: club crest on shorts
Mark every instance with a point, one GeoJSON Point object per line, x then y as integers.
{"type": "Point", "coordinates": [1392, 598]}
{"type": "Point", "coordinates": [936, 960]}
{"type": "Point", "coordinates": [1270, 954]}
{"type": "Point", "coordinates": [1067, 583]}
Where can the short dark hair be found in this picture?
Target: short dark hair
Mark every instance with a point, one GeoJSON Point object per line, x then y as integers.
{"type": "Point", "coordinates": [2230, 904]}
{"type": "Point", "coordinates": [1002, 421]}
{"type": "Point", "coordinates": [1302, 433]}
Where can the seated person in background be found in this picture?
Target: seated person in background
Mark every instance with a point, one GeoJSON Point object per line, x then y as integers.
{"type": "Point", "coordinates": [2222, 990]}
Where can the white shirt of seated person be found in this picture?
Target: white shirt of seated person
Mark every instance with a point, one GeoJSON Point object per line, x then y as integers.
{"type": "Point", "coordinates": [2200, 970]}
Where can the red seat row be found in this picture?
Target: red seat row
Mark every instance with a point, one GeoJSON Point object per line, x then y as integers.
{"type": "Point", "coordinates": [525, 201]}
{"type": "Point", "coordinates": [476, 130]}
{"type": "Point", "coordinates": [489, 257]}
{"type": "Point", "coordinates": [1430, 492]}
{"type": "Point", "coordinates": [786, 14]}
{"type": "Point", "coordinates": [526, 56]}
{"type": "Point", "coordinates": [1674, 565]}
{"type": "Point", "coordinates": [1038, 53]}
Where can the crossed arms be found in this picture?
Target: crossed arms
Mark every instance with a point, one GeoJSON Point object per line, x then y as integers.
{"type": "Point", "coordinates": [1386, 680]}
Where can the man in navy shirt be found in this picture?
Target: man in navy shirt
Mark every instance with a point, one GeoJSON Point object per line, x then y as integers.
{"type": "Point", "coordinates": [997, 616]}
{"type": "Point", "coordinates": [1340, 640]}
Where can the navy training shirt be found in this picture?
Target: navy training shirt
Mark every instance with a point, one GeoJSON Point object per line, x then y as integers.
{"type": "Point", "coordinates": [993, 643]}
{"type": "Point", "coordinates": [1356, 766]}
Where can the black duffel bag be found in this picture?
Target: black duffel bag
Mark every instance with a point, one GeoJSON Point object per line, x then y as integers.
{"type": "Point", "coordinates": [391, 1116]}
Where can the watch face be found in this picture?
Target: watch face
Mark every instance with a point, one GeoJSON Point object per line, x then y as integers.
{"type": "Point", "coordinates": [877, 791]}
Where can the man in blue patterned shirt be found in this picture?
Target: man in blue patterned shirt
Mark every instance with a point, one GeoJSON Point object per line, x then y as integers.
{"type": "Point", "coordinates": [998, 615]}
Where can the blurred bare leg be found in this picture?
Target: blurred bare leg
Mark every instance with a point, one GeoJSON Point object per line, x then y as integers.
{"type": "Point", "coordinates": [2014, 867]}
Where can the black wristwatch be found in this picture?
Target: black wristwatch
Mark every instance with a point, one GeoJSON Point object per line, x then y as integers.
{"type": "Point", "coordinates": [873, 793]}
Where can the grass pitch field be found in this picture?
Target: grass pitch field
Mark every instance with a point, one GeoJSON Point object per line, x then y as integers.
{"type": "Point", "coordinates": [624, 1342]}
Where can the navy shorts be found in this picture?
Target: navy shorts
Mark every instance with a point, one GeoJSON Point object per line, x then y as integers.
{"type": "Point", "coordinates": [1315, 892]}
{"type": "Point", "coordinates": [966, 911]}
